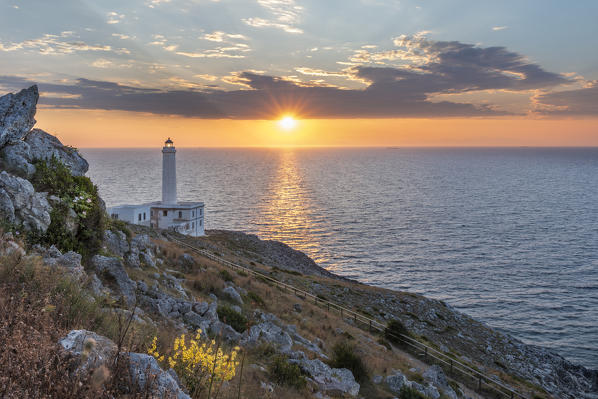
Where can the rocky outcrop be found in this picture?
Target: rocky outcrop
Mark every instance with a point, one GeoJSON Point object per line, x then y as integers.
{"type": "Point", "coordinates": [271, 253]}
{"type": "Point", "coordinates": [93, 351]}
{"type": "Point", "coordinates": [329, 380]}
{"type": "Point", "coordinates": [113, 270]}
{"type": "Point", "coordinates": [21, 205]}
{"type": "Point", "coordinates": [17, 113]}
{"type": "Point", "coordinates": [145, 370]}
{"type": "Point", "coordinates": [20, 146]}
{"type": "Point", "coordinates": [69, 262]}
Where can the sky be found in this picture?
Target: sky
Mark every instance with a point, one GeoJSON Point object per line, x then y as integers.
{"type": "Point", "coordinates": [350, 72]}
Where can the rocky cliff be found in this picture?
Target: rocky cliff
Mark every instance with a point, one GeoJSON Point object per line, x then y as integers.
{"type": "Point", "coordinates": [20, 148]}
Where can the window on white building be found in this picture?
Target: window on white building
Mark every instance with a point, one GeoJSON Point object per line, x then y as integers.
{"type": "Point", "coordinates": [165, 213]}
{"type": "Point", "coordinates": [143, 215]}
{"type": "Point", "coordinates": [139, 217]}
{"type": "Point", "coordinates": [180, 215]}
{"type": "Point", "coordinates": [192, 225]}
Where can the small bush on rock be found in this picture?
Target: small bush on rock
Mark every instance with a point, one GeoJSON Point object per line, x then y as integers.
{"type": "Point", "coordinates": [410, 393]}
{"type": "Point", "coordinates": [394, 332]}
{"type": "Point", "coordinates": [233, 318]}
{"type": "Point", "coordinates": [344, 356]}
{"type": "Point", "coordinates": [285, 373]}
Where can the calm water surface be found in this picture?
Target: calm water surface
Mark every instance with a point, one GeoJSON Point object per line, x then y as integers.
{"type": "Point", "coordinates": [509, 236]}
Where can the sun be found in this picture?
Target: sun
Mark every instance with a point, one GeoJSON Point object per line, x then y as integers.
{"type": "Point", "coordinates": [287, 123]}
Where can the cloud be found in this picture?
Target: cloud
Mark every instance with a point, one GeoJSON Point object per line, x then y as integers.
{"type": "Point", "coordinates": [219, 36]}
{"type": "Point", "coordinates": [578, 102]}
{"type": "Point", "coordinates": [114, 17]}
{"type": "Point", "coordinates": [286, 14]}
{"type": "Point", "coordinates": [50, 44]}
{"type": "Point", "coordinates": [427, 69]}
{"type": "Point", "coordinates": [496, 28]}
{"type": "Point", "coordinates": [430, 66]}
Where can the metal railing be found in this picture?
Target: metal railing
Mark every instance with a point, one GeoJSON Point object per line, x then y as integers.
{"type": "Point", "coordinates": [427, 352]}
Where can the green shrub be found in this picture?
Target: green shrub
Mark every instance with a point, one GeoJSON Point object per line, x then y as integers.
{"type": "Point", "coordinates": [393, 332]}
{"type": "Point", "coordinates": [233, 318]}
{"type": "Point", "coordinates": [344, 356]}
{"type": "Point", "coordinates": [410, 393]}
{"type": "Point", "coordinates": [255, 298]}
{"type": "Point", "coordinates": [119, 225]}
{"type": "Point", "coordinates": [77, 193]}
{"type": "Point", "coordinates": [225, 275]}
{"type": "Point", "coordinates": [284, 373]}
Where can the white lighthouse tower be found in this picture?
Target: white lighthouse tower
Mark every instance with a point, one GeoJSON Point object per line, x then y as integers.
{"type": "Point", "coordinates": [183, 217]}
{"type": "Point", "coordinates": [168, 173]}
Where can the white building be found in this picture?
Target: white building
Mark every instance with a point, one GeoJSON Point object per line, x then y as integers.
{"type": "Point", "coordinates": [183, 217]}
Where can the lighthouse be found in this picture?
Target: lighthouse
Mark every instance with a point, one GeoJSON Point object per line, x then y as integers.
{"type": "Point", "coordinates": [168, 173]}
{"type": "Point", "coordinates": [185, 217]}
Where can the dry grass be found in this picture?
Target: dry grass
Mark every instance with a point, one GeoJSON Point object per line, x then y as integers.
{"type": "Point", "coordinates": [39, 306]}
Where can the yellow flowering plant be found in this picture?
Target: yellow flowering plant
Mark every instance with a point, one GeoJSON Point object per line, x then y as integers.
{"type": "Point", "coordinates": [199, 365]}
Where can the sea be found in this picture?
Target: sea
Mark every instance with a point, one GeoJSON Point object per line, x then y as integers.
{"type": "Point", "coordinates": [506, 235]}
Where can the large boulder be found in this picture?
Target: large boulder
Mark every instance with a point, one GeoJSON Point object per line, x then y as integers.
{"type": "Point", "coordinates": [329, 380]}
{"type": "Point", "coordinates": [69, 262]}
{"type": "Point", "coordinates": [145, 370]}
{"type": "Point", "coordinates": [233, 295]}
{"type": "Point", "coordinates": [271, 333]}
{"type": "Point", "coordinates": [113, 269]}
{"type": "Point", "coordinates": [44, 146]}
{"type": "Point", "coordinates": [21, 205]}
{"type": "Point", "coordinates": [17, 113]}
{"type": "Point", "coordinates": [116, 242]}
{"type": "Point", "coordinates": [92, 349]}
{"type": "Point", "coordinates": [16, 158]}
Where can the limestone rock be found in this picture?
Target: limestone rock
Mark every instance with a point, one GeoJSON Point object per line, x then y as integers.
{"type": "Point", "coordinates": [94, 350]}
{"type": "Point", "coordinates": [436, 377]}
{"type": "Point", "coordinates": [70, 262]}
{"type": "Point", "coordinates": [233, 295]}
{"type": "Point", "coordinates": [16, 158]}
{"type": "Point", "coordinates": [112, 268]}
{"type": "Point", "coordinates": [20, 204]}
{"type": "Point", "coordinates": [17, 113]}
{"type": "Point", "coordinates": [396, 381]}
{"type": "Point", "coordinates": [44, 146]}
{"type": "Point", "coordinates": [269, 332]}
{"type": "Point", "coordinates": [329, 380]}
{"type": "Point", "coordinates": [116, 242]}
{"type": "Point", "coordinates": [144, 367]}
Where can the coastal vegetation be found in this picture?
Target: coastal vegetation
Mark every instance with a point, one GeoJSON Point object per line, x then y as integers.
{"type": "Point", "coordinates": [77, 217]}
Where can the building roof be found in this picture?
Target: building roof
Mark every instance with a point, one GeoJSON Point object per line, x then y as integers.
{"type": "Point", "coordinates": [159, 204]}
{"type": "Point", "coordinates": [178, 205]}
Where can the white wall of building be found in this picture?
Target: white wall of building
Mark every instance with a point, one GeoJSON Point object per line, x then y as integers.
{"type": "Point", "coordinates": [135, 214]}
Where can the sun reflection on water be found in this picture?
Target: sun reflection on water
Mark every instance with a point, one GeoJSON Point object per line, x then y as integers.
{"type": "Point", "coordinates": [286, 211]}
